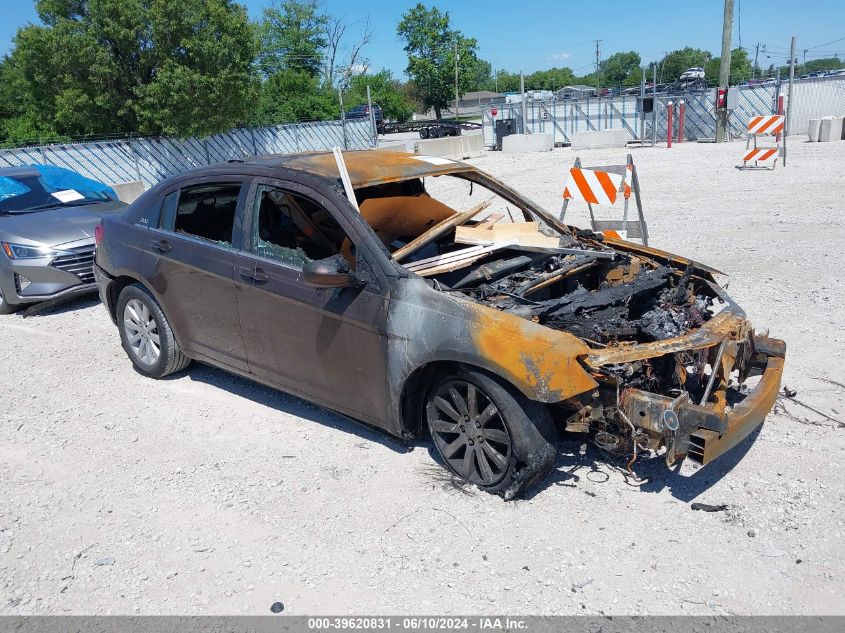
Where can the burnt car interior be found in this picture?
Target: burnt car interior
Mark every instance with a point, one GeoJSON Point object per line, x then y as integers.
{"type": "Point", "coordinates": [207, 212]}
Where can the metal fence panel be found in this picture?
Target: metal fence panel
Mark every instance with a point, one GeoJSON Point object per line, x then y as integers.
{"type": "Point", "coordinates": [814, 98]}
{"type": "Point", "coordinates": [152, 159]}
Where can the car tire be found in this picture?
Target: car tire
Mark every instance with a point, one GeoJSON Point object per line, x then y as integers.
{"type": "Point", "coordinates": [513, 440]}
{"type": "Point", "coordinates": [146, 335]}
{"type": "Point", "coordinates": [5, 306]}
{"type": "Point", "coordinates": [423, 132]}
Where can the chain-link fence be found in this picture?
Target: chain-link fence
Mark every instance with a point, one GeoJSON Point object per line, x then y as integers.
{"type": "Point", "coordinates": [151, 159]}
{"type": "Point", "coordinates": [816, 97]}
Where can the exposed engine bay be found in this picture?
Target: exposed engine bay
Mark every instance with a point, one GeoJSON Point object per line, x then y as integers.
{"type": "Point", "coordinates": [671, 354]}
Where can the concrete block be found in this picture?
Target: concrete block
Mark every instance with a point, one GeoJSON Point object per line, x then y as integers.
{"type": "Point", "coordinates": [601, 139]}
{"type": "Point", "coordinates": [518, 143]}
{"type": "Point", "coordinates": [813, 130]}
{"type": "Point", "coordinates": [457, 147]}
{"type": "Point", "coordinates": [830, 129]}
{"type": "Point", "coordinates": [128, 191]}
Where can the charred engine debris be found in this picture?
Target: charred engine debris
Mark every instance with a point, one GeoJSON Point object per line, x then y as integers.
{"type": "Point", "coordinates": [612, 298]}
{"type": "Point", "coordinates": [604, 297]}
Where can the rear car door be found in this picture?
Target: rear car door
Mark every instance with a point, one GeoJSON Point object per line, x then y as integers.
{"type": "Point", "coordinates": [326, 344]}
{"type": "Point", "coordinates": [189, 260]}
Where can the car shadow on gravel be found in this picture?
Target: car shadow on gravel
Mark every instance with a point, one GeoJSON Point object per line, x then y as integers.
{"type": "Point", "coordinates": [287, 403]}
{"type": "Point", "coordinates": [578, 461]}
{"type": "Point", "coordinates": [53, 308]}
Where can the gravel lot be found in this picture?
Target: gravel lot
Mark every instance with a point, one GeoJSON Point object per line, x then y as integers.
{"type": "Point", "coordinates": [209, 494]}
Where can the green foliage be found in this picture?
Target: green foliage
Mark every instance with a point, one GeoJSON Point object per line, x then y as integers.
{"type": "Point", "coordinates": [292, 37]}
{"type": "Point", "coordinates": [676, 62]}
{"type": "Point", "coordinates": [619, 69]}
{"type": "Point", "coordinates": [551, 79]}
{"type": "Point", "coordinates": [384, 90]}
{"type": "Point", "coordinates": [814, 65]}
{"type": "Point", "coordinates": [741, 67]}
{"type": "Point", "coordinates": [482, 74]}
{"type": "Point", "coordinates": [121, 66]}
{"type": "Point", "coordinates": [431, 45]}
{"type": "Point", "coordinates": [294, 95]}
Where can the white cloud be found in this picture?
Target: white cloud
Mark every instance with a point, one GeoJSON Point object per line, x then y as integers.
{"type": "Point", "coordinates": [558, 57]}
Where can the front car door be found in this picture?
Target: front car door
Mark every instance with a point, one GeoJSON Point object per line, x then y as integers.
{"type": "Point", "coordinates": [328, 345]}
{"type": "Point", "coordinates": [189, 261]}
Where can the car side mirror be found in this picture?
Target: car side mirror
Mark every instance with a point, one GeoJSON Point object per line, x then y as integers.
{"type": "Point", "coordinates": [331, 272]}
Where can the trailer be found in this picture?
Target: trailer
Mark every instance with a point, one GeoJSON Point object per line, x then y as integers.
{"type": "Point", "coordinates": [431, 128]}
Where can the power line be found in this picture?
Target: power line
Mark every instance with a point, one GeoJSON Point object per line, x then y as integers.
{"type": "Point", "coordinates": [826, 43]}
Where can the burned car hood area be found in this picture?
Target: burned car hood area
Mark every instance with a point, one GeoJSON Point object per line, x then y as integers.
{"type": "Point", "coordinates": [669, 355]}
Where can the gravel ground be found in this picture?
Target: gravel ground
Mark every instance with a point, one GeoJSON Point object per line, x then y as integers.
{"type": "Point", "coordinates": [209, 494]}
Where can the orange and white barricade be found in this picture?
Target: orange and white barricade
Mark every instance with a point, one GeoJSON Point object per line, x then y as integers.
{"type": "Point", "coordinates": [601, 186]}
{"type": "Point", "coordinates": [763, 157]}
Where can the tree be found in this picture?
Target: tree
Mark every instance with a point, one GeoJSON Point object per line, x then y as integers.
{"type": "Point", "coordinates": [481, 75]}
{"type": "Point", "coordinates": [431, 45]}
{"type": "Point", "coordinates": [295, 95]}
{"type": "Point", "coordinates": [337, 73]}
{"type": "Point", "coordinates": [152, 66]}
{"type": "Point", "coordinates": [740, 68]}
{"type": "Point", "coordinates": [551, 79]}
{"type": "Point", "coordinates": [292, 37]}
{"type": "Point", "coordinates": [618, 68]}
{"type": "Point", "coordinates": [384, 90]}
{"type": "Point", "coordinates": [676, 62]}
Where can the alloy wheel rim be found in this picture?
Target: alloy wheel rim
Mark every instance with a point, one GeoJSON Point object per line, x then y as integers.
{"type": "Point", "coordinates": [141, 332]}
{"type": "Point", "coordinates": [469, 432]}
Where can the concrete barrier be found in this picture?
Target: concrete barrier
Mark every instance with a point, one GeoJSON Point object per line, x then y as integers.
{"type": "Point", "coordinates": [457, 147]}
{"type": "Point", "coordinates": [600, 139]}
{"type": "Point", "coordinates": [813, 130]}
{"type": "Point", "coordinates": [128, 191]}
{"type": "Point", "coordinates": [518, 143]}
{"type": "Point", "coordinates": [830, 129]}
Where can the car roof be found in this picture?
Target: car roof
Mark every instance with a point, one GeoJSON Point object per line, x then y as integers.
{"type": "Point", "coordinates": [366, 167]}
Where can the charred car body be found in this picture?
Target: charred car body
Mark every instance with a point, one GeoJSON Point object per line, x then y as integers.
{"type": "Point", "coordinates": [383, 315]}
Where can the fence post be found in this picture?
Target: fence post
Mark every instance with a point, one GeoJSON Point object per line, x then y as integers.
{"type": "Point", "coordinates": [780, 111]}
{"type": "Point", "coordinates": [682, 106]}
{"type": "Point", "coordinates": [342, 119]}
{"type": "Point", "coordinates": [670, 108]}
{"type": "Point", "coordinates": [135, 159]}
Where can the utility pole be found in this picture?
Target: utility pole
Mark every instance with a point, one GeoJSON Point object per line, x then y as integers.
{"type": "Point", "coordinates": [598, 56]}
{"type": "Point", "coordinates": [456, 78]}
{"type": "Point", "coordinates": [788, 129]}
{"type": "Point", "coordinates": [805, 57]}
{"type": "Point", "coordinates": [754, 68]}
{"type": "Point", "coordinates": [725, 68]}
{"type": "Point", "coordinates": [522, 99]}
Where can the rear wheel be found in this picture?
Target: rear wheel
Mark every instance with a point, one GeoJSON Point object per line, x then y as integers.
{"type": "Point", "coordinates": [146, 335]}
{"type": "Point", "coordinates": [489, 434]}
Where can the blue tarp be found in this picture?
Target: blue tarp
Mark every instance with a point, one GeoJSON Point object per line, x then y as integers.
{"type": "Point", "coordinates": [9, 188]}
{"type": "Point", "coordinates": [60, 179]}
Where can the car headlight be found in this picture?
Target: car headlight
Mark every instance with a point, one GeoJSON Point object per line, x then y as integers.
{"type": "Point", "coordinates": [20, 251]}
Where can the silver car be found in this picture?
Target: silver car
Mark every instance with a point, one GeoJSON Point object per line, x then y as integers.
{"type": "Point", "coordinates": [48, 217]}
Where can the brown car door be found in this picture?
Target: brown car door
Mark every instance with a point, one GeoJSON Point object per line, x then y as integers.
{"type": "Point", "coordinates": [189, 261]}
{"type": "Point", "coordinates": [326, 344]}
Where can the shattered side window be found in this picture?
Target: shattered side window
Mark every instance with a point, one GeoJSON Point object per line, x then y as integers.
{"type": "Point", "coordinates": [293, 229]}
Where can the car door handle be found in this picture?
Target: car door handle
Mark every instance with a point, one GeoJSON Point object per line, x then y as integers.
{"type": "Point", "coordinates": [255, 275]}
{"type": "Point", "coordinates": [260, 277]}
{"type": "Point", "coordinates": [162, 246]}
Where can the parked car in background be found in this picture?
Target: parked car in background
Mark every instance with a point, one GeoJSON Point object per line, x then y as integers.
{"type": "Point", "coordinates": [48, 217]}
{"type": "Point", "coordinates": [363, 111]}
{"type": "Point", "coordinates": [692, 74]}
{"type": "Point", "coordinates": [265, 268]}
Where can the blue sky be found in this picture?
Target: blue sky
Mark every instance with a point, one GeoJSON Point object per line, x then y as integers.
{"type": "Point", "coordinates": [534, 35]}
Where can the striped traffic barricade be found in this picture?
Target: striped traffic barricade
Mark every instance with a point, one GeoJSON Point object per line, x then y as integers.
{"type": "Point", "coordinates": [763, 157]}
{"type": "Point", "coordinates": [602, 186]}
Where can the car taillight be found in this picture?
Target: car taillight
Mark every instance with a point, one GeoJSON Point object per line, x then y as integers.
{"type": "Point", "coordinates": [99, 233]}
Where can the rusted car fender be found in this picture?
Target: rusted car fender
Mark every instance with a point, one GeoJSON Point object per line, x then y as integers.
{"type": "Point", "coordinates": [427, 326]}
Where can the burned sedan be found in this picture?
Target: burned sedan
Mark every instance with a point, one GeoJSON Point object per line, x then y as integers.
{"type": "Point", "coordinates": [437, 300]}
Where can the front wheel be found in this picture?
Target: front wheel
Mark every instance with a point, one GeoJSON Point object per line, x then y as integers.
{"type": "Point", "coordinates": [5, 306]}
{"type": "Point", "coordinates": [489, 434]}
{"type": "Point", "coordinates": [146, 335]}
